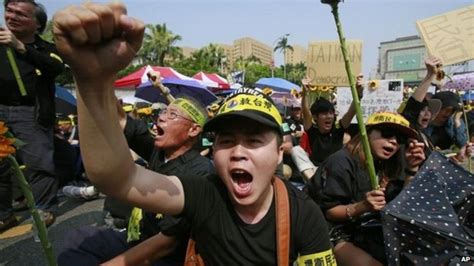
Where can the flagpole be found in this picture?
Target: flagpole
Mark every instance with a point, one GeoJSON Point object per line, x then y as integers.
{"type": "Point", "coordinates": [355, 98]}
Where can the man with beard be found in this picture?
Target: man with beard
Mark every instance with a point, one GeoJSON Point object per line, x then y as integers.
{"type": "Point", "coordinates": [232, 215]}
{"type": "Point", "coordinates": [171, 151]}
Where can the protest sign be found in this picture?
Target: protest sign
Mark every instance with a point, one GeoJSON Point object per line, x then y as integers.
{"type": "Point", "coordinates": [387, 96]}
{"type": "Point", "coordinates": [449, 36]}
{"type": "Point", "coordinates": [326, 63]}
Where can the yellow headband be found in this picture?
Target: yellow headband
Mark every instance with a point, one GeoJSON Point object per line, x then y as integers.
{"type": "Point", "coordinates": [189, 108]}
{"type": "Point", "coordinates": [251, 102]}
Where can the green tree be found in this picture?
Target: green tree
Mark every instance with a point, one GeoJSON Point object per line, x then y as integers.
{"type": "Point", "coordinates": [283, 45]}
{"type": "Point", "coordinates": [296, 72]}
{"type": "Point", "coordinates": [159, 44]}
{"type": "Point", "coordinates": [252, 68]}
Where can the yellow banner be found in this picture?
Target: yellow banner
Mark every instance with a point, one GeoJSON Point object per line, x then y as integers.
{"type": "Point", "coordinates": [326, 64]}
{"type": "Point", "coordinates": [449, 36]}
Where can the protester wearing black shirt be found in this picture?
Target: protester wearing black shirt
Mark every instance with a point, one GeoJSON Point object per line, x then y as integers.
{"type": "Point", "coordinates": [343, 188]}
{"type": "Point", "coordinates": [324, 135]}
{"type": "Point", "coordinates": [247, 149]}
{"type": "Point", "coordinates": [83, 245]}
{"type": "Point", "coordinates": [30, 117]}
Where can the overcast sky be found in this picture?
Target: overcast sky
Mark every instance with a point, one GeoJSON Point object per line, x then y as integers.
{"type": "Point", "coordinates": [202, 22]}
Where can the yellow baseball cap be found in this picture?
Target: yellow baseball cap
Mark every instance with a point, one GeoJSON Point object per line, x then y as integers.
{"type": "Point", "coordinates": [391, 120]}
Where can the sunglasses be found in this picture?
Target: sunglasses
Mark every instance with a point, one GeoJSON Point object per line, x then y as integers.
{"type": "Point", "coordinates": [389, 133]}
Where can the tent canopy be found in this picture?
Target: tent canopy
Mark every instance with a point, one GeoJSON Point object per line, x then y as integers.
{"type": "Point", "coordinates": [138, 77]}
{"type": "Point", "coordinates": [212, 80]}
{"type": "Point", "coordinates": [276, 84]}
{"type": "Point", "coordinates": [65, 102]}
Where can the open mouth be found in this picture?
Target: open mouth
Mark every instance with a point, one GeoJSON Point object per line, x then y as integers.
{"type": "Point", "coordinates": [159, 131]}
{"type": "Point", "coordinates": [388, 150]}
{"type": "Point", "coordinates": [243, 182]}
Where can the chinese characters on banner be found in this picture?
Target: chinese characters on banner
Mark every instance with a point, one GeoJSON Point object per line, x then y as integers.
{"type": "Point", "coordinates": [326, 64]}
{"type": "Point", "coordinates": [387, 97]}
{"type": "Point", "coordinates": [450, 36]}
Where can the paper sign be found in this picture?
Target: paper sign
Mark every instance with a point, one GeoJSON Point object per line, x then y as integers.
{"type": "Point", "coordinates": [450, 36]}
{"type": "Point", "coordinates": [387, 97]}
{"type": "Point", "coordinates": [326, 64]}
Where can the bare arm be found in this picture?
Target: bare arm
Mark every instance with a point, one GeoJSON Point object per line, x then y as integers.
{"type": "Point", "coordinates": [155, 78]}
{"type": "Point", "coordinates": [347, 118]}
{"type": "Point", "coordinates": [374, 201]}
{"type": "Point", "coordinates": [432, 67]}
{"type": "Point", "coordinates": [97, 41]}
{"type": "Point", "coordinates": [146, 252]}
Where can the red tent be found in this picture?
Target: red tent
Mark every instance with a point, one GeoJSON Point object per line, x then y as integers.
{"type": "Point", "coordinates": [138, 77]}
{"type": "Point", "coordinates": [212, 80]}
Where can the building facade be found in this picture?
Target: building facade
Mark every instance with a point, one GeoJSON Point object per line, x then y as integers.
{"type": "Point", "coordinates": [247, 47]}
{"type": "Point", "coordinates": [403, 58]}
{"type": "Point", "coordinates": [298, 55]}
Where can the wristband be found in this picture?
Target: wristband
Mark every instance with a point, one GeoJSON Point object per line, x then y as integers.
{"type": "Point", "coordinates": [410, 172]}
{"type": "Point", "coordinates": [348, 212]}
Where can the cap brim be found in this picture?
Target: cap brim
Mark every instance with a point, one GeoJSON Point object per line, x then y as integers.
{"type": "Point", "coordinates": [219, 121]}
{"type": "Point", "coordinates": [408, 132]}
{"type": "Point", "coordinates": [435, 106]}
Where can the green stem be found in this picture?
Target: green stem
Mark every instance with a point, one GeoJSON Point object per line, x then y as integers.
{"type": "Point", "coordinates": [42, 233]}
{"type": "Point", "coordinates": [16, 73]}
{"type": "Point", "coordinates": [355, 98]}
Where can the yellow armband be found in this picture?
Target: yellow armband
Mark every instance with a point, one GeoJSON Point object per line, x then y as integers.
{"type": "Point", "coordinates": [324, 258]}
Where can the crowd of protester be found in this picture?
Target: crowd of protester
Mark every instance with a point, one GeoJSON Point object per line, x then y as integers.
{"type": "Point", "coordinates": [172, 199]}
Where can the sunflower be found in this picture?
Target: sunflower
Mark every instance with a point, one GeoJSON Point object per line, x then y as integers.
{"type": "Point", "coordinates": [6, 143]}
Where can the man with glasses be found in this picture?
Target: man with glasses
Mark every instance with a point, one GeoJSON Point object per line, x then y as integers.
{"type": "Point", "coordinates": [30, 114]}
{"type": "Point", "coordinates": [171, 152]}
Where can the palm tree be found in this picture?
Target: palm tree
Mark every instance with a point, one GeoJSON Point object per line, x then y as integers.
{"type": "Point", "coordinates": [159, 43]}
{"type": "Point", "coordinates": [283, 45]}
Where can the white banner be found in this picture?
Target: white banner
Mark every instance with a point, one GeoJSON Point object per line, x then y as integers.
{"type": "Point", "coordinates": [386, 97]}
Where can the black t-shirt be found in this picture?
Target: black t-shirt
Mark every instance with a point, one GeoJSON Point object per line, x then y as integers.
{"type": "Point", "coordinates": [323, 145]}
{"type": "Point", "coordinates": [38, 67]}
{"type": "Point", "coordinates": [224, 239]}
{"type": "Point", "coordinates": [191, 163]}
{"type": "Point", "coordinates": [343, 180]}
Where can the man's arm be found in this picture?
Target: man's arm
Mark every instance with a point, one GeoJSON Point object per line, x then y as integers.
{"type": "Point", "coordinates": [97, 41]}
{"type": "Point", "coordinates": [154, 248]}
{"type": "Point", "coordinates": [347, 118]}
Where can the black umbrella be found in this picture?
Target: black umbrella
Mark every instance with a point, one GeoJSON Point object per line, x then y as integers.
{"type": "Point", "coordinates": [431, 221]}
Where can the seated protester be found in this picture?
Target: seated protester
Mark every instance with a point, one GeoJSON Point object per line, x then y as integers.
{"type": "Point", "coordinates": [170, 152]}
{"type": "Point", "coordinates": [447, 128]}
{"type": "Point", "coordinates": [232, 215]}
{"type": "Point", "coordinates": [324, 136]}
{"type": "Point", "coordinates": [343, 189]}
{"type": "Point", "coordinates": [420, 111]}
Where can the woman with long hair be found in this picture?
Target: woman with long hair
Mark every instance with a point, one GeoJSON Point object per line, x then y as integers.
{"type": "Point", "coordinates": [342, 187]}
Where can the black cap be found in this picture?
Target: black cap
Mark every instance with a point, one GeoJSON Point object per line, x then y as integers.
{"type": "Point", "coordinates": [247, 103]}
{"type": "Point", "coordinates": [448, 99]}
